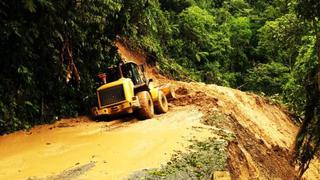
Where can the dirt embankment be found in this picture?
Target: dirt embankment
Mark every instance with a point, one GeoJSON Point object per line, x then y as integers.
{"type": "Point", "coordinates": [264, 131]}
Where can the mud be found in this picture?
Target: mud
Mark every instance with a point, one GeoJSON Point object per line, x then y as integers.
{"type": "Point", "coordinates": [72, 173]}
{"type": "Point", "coordinates": [49, 151]}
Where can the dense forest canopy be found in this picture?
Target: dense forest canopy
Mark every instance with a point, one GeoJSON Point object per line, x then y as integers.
{"type": "Point", "coordinates": [52, 50]}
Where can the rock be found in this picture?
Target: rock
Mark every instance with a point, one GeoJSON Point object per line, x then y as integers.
{"type": "Point", "coordinates": [221, 175]}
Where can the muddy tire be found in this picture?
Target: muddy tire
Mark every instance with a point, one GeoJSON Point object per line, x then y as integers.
{"type": "Point", "coordinates": [146, 111]}
{"type": "Point", "coordinates": [161, 106]}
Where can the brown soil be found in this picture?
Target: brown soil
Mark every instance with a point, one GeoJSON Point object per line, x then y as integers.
{"type": "Point", "coordinates": [253, 154]}
{"type": "Point", "coordinates": [129, 55]}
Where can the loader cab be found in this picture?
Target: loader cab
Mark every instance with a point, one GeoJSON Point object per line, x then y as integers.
{"type": "Point", "coordinates": [128, 70]}
{"type": "Point", "coordinates": [136, 74]}
{"type": "Point", "coordinates": [133, 71]}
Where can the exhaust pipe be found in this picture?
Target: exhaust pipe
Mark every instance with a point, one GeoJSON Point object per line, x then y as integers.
{"type": "Point", "coordinates": [103, 77]}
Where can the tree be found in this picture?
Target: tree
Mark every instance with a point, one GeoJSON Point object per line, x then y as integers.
{"type": "Point", "coordinates": [280, 39]}
{"type": "Point", "coordinates": [308, 138]}
{"type": "Point", "coordinates": [176, 5]}
{"type": "Point", "coordinates": [204, 44]}
{"type": "Point", "coordinates": [268, 78]}
{"type": "Point", "coordinates": [295, 94]}
{"type": "Point", "coordinates": [240, 29]}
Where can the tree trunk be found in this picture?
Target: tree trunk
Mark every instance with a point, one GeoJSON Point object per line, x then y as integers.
{"type": "Point", "coordinates": [306, 133]}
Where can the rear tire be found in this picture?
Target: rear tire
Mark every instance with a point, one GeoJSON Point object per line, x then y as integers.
{"type": "Point", "coordinates": [146, 111]}
{"type": "Point", "coordinates": [161, 106]}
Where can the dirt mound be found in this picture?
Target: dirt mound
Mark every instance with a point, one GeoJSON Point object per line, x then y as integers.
{"type": "Point", "coordinates": [182, 91]}
{"type": "Point", "coordinates": [197, 98]}
{"type": "Point", "coordinates": [263, 130]}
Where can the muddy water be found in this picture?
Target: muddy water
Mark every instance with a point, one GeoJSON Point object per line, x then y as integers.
{"type": "Point", "coordinates": [114, 153]}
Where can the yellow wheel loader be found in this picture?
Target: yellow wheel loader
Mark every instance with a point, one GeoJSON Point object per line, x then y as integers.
{"type": "Point", "coordinates": [125, 89]}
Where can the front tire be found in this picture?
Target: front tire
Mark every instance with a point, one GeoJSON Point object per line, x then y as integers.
{"type": "Point", "coordinates": [147, 110]}
{"type": "Point", "coordinates": [161, 106]}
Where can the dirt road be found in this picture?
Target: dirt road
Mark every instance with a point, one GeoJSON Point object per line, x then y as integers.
{"type": "Point", "coordinates": [104, 150]}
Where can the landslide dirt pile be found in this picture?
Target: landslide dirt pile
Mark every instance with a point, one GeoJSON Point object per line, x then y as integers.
{"type": "Point", "coordinates": [264, 131]}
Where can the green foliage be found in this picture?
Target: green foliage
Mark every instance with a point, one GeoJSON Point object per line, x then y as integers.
{"type": "Point", "coordinates": [295, 95]}
{"type": "Point", "coordinates": [308, 9]}
{"type": "Point", "coordinates": [176, 5]}
{"type": "Point", "coordinates": [199, 44]}
{"type": "Point", "coordinates": [241, 35]}
{"type": "Point", "coordinates": [33, 88]}
{"type": "Point", "coordinates": [281, 38]}
{"type": "Point", "coordinates": [268, 78]}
